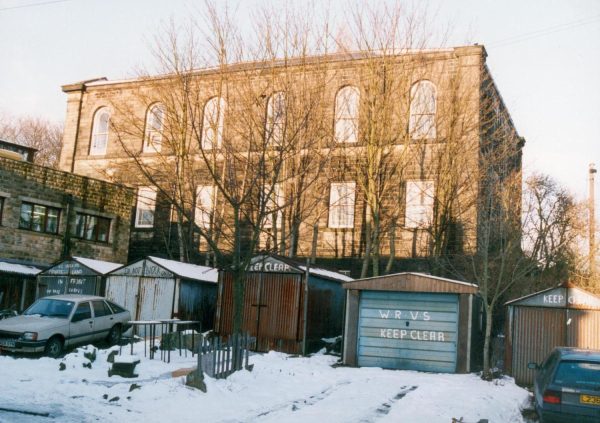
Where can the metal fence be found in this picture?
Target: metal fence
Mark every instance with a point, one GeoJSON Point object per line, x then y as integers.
{"type": "Point", "coordinates": [219, 359]}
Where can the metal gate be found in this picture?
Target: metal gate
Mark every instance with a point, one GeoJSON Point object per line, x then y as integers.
{"type": "Point", "coordinates": [272, 313]}
{"type": "Point", "coordinates": [408, 331]}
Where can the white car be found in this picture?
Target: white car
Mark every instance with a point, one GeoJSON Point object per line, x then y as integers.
{"type": "Point", "coordinates": [53, 323]}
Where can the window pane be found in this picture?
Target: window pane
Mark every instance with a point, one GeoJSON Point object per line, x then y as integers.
{"type": "Point", "coordinates": [103, 124]}
{"type": "Point", "coordinates": [39, 214]}
{"type": "Point", "coordinates": [52, 224]}
{"type": "Point", "coordinates": [83, 312]}
{"type": "Point", "coordinates": [100, 309]}
{"type": "Point", "coordinates": [103, 228]}
{"type": "Point", "coordinates": [145, 207]}
{"type": "Point", "coordinates": [578, 375]}
{"type": "Point", "coordinates": [90, 233]}
{"type": "Point", "coordinates": [25, 219]}
{"type": "Point", "coordinates": [79, 225]}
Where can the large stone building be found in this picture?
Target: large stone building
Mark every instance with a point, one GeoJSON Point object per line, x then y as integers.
{"type": "Point", "coordinates": [47, 215]}
{"type": "Point", "coordinates": [396, 141]}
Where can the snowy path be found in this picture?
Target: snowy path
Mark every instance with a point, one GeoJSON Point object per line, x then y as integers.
{"type": "Point", "coordinates": [279, 389]}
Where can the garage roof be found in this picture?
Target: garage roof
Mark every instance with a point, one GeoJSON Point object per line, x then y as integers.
{"type": "Point", "coordinates": [412, 282]}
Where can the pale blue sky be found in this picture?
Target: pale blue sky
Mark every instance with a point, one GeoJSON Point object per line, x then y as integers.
{"type": "Point", "coordinates": [550, 83]}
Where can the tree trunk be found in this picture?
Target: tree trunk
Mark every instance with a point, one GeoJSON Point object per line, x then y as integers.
{"type": "Point", "coordinates": [390, 263]}
{"type": "Point", "coordinates": [376, 235]}
{"type": "Point", "coordinates": [315, 241]}
{"type": "Point", "coordinates": [181, 237]}
{"type": "Point", "coordinates": [486, 347]}
{"type": "Point", "coordinates": [239, 290]}
{"type": "Point", "coordinates": [367, 255]}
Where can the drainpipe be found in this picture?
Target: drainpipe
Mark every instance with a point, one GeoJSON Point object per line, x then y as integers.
{"type": "Point", "coordinates": [66, 253]}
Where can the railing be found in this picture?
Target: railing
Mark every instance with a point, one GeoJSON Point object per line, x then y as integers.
{"type": "Point", "coordinates": [219, 359]}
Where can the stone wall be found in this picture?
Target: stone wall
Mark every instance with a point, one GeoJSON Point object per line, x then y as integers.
{"type": "Point", "coordinates": [25, 182]}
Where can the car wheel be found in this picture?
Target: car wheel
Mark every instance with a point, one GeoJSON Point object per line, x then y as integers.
{"type": "Point", "coordinates": [54, 347]}
{"type": "Point", "coordinates": [114, 335]}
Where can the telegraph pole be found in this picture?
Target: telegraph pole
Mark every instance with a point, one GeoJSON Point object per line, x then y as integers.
{"type": "Point", "coordinates": [592, 222]}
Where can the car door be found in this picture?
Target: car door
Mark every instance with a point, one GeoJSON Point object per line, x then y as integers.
{"type": "Point", "coordinates": [81, 328]}
{"type": "Point", "coordinates": [103, 319]}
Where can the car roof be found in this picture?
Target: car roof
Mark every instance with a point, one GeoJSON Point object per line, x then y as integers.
{"type": "Point", "coordinates": [579, 354]}
{"type": "Point", "coordinates": [75, 297]}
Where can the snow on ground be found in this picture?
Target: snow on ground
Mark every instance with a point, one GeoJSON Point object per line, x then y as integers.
{"type": "Point", "coordinates": [281, 388]}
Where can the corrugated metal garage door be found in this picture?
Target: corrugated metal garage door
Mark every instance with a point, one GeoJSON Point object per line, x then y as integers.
{"type": "Point", "coordinates": [408, 331]}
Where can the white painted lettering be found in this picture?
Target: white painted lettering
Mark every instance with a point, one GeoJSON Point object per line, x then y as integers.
{"type": "Point", "coordinates": [398, 314]}
{"type": "Point", "coordinates": [402, 334]}
{"type": "Point", "coordinates": [414, 315]}
{"type": "Point", "coordinates": [432, 336]}
{"type": "Point", "coordinates": [413, 334]}
{"type": "Point", "coordinates": [425, 338]}
{"type": "Point", "coordinates": [441, 336]}
{"type": "Point", "coordinates": [426, 315]}
{"type": "Point", "coordinates": [396, 333]}
{"type": "Point", "coordinates": [389, 333]}
{"type": "Point", "coordinates": [384, 316]}
{"type": "Point", "coordinates": [383, 333]}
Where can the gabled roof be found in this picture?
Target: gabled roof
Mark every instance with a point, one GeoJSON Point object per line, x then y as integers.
{"type": "Point", "coordinates": [102, 267]}
{"type": "Point", "coordinates": [163, 268]}
{"type": "Point", "coordinates": [412, 282]}
{"type": "Point", "coordinates": [565, 295]}
{"type": "Point", "coordinates": [187, 270]}
{"type": "Point", "coordinates": [273, 263]}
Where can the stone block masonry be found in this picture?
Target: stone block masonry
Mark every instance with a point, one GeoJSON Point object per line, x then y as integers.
{"type": "Point", "coordinates": [22, 182]}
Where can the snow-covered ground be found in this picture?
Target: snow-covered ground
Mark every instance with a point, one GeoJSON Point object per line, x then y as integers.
{"type": "Point", "coordinates": [281, 388]}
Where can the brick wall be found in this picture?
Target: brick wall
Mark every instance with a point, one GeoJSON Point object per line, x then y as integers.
{"type": "Point", "coordinates": [25, 182]}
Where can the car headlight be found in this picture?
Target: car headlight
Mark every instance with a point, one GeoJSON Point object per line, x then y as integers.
{"type": "Point", "coordinates": [30, 336]}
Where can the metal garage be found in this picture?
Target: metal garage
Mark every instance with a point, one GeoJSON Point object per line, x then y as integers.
{"type": "Point", "coordinates": [155, 288]}
{"type": "Point", "coordinates": [284, 308]}
{"type": "Point", "coordinates": [564, 316]}
{"type": "Point", "coordinates": [17, 283]}
{"type": "Point", "coordinates": [412, 321]}
{"type": "Point", "coordinates": [76, 275]}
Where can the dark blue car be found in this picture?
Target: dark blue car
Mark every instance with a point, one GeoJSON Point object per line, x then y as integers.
{"type": "Point", "coordinates": [567, 386]}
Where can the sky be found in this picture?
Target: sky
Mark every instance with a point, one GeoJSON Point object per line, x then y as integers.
{"type": "Point", "coordinates": [543, 54]}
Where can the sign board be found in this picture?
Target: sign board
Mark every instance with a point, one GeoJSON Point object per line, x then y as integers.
{"type": "Point", "coordinates": [271, 265]}
{"type": "Point", "coordinates": [69, 267]}
{"type": "Point", "coordinates": [146, 267]}
{"type": "Point", "coordinates": [562, 298]}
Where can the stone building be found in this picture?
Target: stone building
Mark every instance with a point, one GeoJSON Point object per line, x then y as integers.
{"type": "Point", "coordinates": [47, 215]}
{"type": "Point", "coordinates": [421, 119]}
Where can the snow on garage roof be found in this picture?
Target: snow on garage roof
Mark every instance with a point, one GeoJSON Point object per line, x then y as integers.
{"type": "Point", "coordinates": [18, 269]}
{"type": "Point", "coordinates": [188, 271]}
{"type": "Point", "coordinates": [98, 266]}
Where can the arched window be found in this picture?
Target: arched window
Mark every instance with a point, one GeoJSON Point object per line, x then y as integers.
{"type": "Point", "coordinates": [422, 110]}
{"type": "Point", "coordinates": [154, 127]}
{"type": "Point", "coordinates": [100, 132]}
{"type": "Point", "coordinates": [212, 124]}
{"type": "Point", "coordinates": [347, 102]}
{"type": "Point", "coordinates": [275, 118]}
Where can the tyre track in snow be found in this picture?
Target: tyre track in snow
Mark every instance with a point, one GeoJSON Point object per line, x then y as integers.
{"type": "Point", "coordinates": [384, 408]}
{"type": "Point", "coordinates": [289, 406]}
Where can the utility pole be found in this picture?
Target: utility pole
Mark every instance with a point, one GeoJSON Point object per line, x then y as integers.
{"type": "Point", "coordinates": [592, 223]}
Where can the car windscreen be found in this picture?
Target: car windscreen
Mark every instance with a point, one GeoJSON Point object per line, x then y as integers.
{"type": "Point", "coordinates": [578, 374]}
{"type": "Point", "coordinates": [51, 308]}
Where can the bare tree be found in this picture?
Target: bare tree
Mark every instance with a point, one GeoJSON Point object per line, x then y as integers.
{"type": "Point", "coordinates": [36, 132]}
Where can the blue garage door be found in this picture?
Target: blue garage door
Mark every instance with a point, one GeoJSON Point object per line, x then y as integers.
{"type": "Point", "coordinates": [408, 331]}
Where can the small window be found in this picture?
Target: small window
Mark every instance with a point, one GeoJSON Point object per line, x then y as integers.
{"type": "Point", "coordinates": [423, 106]}
{"type": "Point", "coordinates": [205, 201]}
{"type": "Point", "coordinates": [100, 132]}
{"type": "Point", "coordinates": [101, 309]}
{"type": "Point", "coordinates": [2, 201]}
{"type": "Point", "coordinates": [116, 308]}
{"type": "Point", "coordinates": [580, 375]}
{"type": "Point", "coordinates": [146, 202]}
{"type": "Point", "coordinates": [273, 205]}
{"type": "Point", "coordinates": [341, 205]}
{"type": "Point", "coordinates": [39, 218]}
{"type": "Point", "coordinates": [275, 118]}
{"type": "Point", "coordinates": [212, 123]}
{"type": "Point", "coordinates": [83, 312]}
{"type": "Point", "coordinates": [419, 203]}
{"type": "Point", "coordinates": [154, 129]}
{"type": "Point", "coordinates": [346, 114]}
{"type": "Point", "coordinates": [92, 228]}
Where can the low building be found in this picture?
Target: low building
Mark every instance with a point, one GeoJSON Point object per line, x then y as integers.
{"type": "Point", "coordinates": [283, 308]}
{"type": "Point", "coordinates": [17, 283]}
{"type": "Point", "coordinates": [47, 215]}
{"type": "Point", "coordinates": [77, 275]}
{"type": "Point", "coordinates": [413, 321]}
{"type": "Point", "coordinates": [564, 316]}
{"type": "Point", "coordinates": [27, 153]}
{"type": "Point", "coordinates": [154, 288]}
